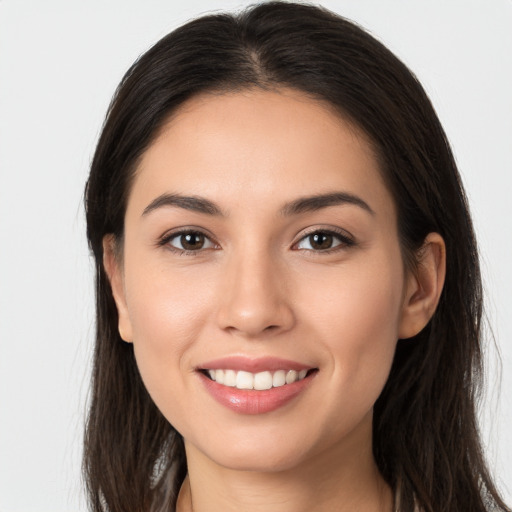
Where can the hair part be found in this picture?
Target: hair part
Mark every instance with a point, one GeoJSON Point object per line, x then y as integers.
{"type": "Point", "coordinates": [425, 434]}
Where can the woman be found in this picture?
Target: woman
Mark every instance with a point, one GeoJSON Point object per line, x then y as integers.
{"type": "Point", "coordinates": [286, 276]}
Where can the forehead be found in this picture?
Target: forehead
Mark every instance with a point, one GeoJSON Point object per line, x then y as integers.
{"type": "Point", "coordinates": [260, 149]}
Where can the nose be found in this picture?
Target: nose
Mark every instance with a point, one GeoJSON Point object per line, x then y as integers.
{"type": "Point", "coordinates": [255, 300]}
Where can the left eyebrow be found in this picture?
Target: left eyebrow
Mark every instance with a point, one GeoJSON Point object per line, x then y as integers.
{"type": "Point", "coordinates": [317, 202]}
{"type": "Point", "coordinates": [192, 203]}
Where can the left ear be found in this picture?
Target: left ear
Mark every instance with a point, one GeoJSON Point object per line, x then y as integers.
{"type": "Point", "coordinates": [423, 286]}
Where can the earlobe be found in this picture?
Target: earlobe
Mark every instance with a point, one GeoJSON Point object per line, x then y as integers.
{"type": "Point", "coordinates": [113, 269]}
{"type": "Point", "coordinates": [423, 286]}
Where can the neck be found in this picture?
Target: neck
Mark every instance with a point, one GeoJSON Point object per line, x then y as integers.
{"type": "Point", "coordinates": [342, 479]}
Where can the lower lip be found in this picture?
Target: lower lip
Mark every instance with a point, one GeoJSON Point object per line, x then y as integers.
{"type": "Point", "coordinates": [250, 401]}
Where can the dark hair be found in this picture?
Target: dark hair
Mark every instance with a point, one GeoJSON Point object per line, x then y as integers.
{"type": "Point", "coordinates": [425, 433]}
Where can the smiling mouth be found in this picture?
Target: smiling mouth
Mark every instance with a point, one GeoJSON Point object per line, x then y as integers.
{"type": "Point", "coordinates": [256, 381]}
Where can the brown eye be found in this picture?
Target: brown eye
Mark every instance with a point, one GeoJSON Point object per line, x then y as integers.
{"type": "Point", "coordinates": [323, 241]}
{"type": "Point", "coordinates": [190, 241]}
{"type": "Point", "coordinates": [320, 241]}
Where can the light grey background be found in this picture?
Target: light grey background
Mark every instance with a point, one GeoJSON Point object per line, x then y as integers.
{"type": "Point", "coordinates": [60, 61]}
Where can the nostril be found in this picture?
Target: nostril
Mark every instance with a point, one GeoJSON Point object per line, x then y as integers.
{"type": "Point", "coordinates": [252, 315]}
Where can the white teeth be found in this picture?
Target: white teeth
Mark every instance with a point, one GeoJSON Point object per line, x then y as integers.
{"type": "Point", "coordinates": [263, 380]}
{"type": "Point", "coordinates": [230, 378]}
{"type": "Point", "coordinates": [279, 379]}
{"type": "Point", "coordinates": [291, 376]}
{"type": "Point", "coordinates": [258, 381]}
{"type": "Point", "coordinates": [244, 380]}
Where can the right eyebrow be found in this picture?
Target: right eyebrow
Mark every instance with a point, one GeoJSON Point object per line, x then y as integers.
{"type": "Point", "coordinates": [192, 203]}
{"type": "Point", "coordinates": [320, 201]}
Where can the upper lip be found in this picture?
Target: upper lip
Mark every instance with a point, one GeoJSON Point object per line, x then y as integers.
{"type": "Point", "coordinates": [253, 365]}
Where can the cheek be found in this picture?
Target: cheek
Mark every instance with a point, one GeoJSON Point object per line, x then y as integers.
{"type": "Point", "coordinates": [165, 304]}
{"type": "Point", "coordinates": [358, 300]}
{"type": "Point", "coordinates": [166, 312]}
{"type": "Point", "coordinates": [357, 317]}
{"type": "Point", "coordinates": [161, 316]}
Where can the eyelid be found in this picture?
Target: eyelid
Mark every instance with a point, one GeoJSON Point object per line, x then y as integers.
{"type": "Point", "coordinates": [163, 241]}
{"type": "Point", "coordinates": [345, 238]}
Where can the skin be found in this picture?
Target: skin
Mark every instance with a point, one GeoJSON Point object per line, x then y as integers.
{"type": "Point", "coordinates": [259, 288]}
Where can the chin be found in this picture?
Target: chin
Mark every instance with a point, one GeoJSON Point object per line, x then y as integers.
{"type": "Point", "coordinates": [255, 453]}
{"type": "Point", "coordinates": [258, 461]}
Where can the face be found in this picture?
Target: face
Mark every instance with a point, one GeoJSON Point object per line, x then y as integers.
{"type": "Point", "coordinates": [261, 281]}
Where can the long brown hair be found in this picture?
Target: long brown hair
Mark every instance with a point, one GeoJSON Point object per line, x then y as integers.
{"type": "Point", "coordinates": [425, 433]}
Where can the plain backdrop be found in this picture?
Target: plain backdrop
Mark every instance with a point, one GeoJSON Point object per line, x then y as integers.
{"type": "Point", "coordinates": [60, 61]}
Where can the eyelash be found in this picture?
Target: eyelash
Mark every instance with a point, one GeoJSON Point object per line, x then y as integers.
{"type": "Point", "coordinates": [345, 241]}
{"type": "Point", "coordinates": [167, 238]}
